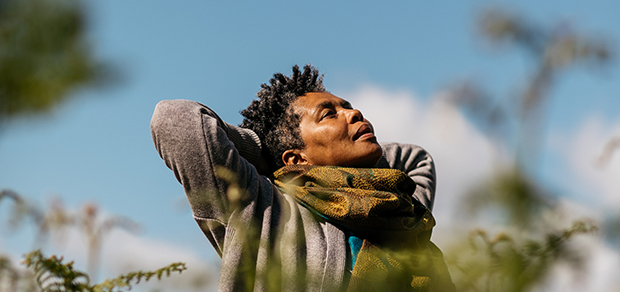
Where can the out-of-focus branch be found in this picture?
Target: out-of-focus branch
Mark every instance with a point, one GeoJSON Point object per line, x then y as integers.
{"type": "Point", "coordinates": [612, 146]}
{"type": "Point", "coordinates": [56, 218]}
{"type": "Point", "coordinates": [22, 209]}
{"type": "Point", "coordinates": [516, 122]}
{"type": "Point", "coordinates": [500, 26]}
{"type": "Point", "coordinates": [95, 230]}
{"type": "Point", "coordinates": [13, 279]}
{"type": "Point", "coordinates": [513, 195]}
{"type": "Point", "coordinates": [507, 263]}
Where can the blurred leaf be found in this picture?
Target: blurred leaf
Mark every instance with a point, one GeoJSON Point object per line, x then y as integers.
{"type": "Point", "coordinates": [500, 26]}
{"type": "Point", "coordinates": [611, 227]}
{"type": "Point", "coordinates": [518, 199]}
{"type": "Point", "coordinates": [43, 54]}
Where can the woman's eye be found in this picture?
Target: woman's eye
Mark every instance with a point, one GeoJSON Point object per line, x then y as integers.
{"type": "Point", "coordinates": [328, 114]}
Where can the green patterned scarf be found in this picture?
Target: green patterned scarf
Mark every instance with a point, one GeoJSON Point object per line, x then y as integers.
{"type": "Point", "coordinates": [376, 205]}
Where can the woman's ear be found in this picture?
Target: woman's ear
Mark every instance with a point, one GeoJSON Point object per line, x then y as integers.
{"type": "Point", "coordinates": [293, 157]}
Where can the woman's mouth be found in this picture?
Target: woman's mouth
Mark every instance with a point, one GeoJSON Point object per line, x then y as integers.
{"type": "Point", "coordinates": [364, 132]}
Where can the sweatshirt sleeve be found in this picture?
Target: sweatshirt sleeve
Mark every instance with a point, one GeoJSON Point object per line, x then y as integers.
{"type": "Point", "coordinates": [195, 144]}
{"type": "Point", "coordinates": [415, 162]}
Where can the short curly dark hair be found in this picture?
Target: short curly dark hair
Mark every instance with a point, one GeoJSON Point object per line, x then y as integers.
{"type": "Point", "coordinates": [272, 116]}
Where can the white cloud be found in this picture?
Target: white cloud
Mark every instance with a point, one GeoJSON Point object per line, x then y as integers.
{"type": "Point", "coordinates": [594, 189]}
{"type": "Point", "coordinates": [597, 184]}
{"type": "Point", "coordinates": [603, 269]}
{"type": "Point", "coordinates": [599, 272]}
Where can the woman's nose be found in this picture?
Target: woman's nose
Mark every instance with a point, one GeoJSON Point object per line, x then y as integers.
{"type": "Point", "coordinates": [354, 116]}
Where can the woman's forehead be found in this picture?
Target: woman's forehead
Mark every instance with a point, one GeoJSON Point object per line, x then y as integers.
{"type": "Point", "coordinates": [315, 100]}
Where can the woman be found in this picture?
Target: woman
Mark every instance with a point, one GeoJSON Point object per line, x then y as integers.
{"type": "Point", "coordinates": [326, 220]}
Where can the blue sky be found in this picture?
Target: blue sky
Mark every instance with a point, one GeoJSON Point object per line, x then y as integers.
{"type": "Point", "coordinates": [97, 147]}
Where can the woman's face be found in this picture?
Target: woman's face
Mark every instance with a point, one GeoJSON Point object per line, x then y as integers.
{"type": "Point", "coordinates": [334, 133]}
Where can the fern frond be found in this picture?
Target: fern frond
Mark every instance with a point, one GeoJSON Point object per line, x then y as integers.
{"type": "Point", "coordinates": [124, 281]}
{"type": "Point", "coordinates": [52, 275]}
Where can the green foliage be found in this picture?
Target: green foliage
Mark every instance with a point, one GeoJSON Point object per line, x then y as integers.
{"type": "Point", "coordinates": [43, 54]}
{"type": "Point", "coordinates": [56, 218]}
{"type": "Point", "coordinates": [52, 275]}
{"type": "Point", "coordinates": [234, 193]}
{"type": "Point", "coordinates": [512, 198]}
{"type": "Point", "coordinates": [124, 281]}
{"type": "Point", "coordinates": [503, 263]}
